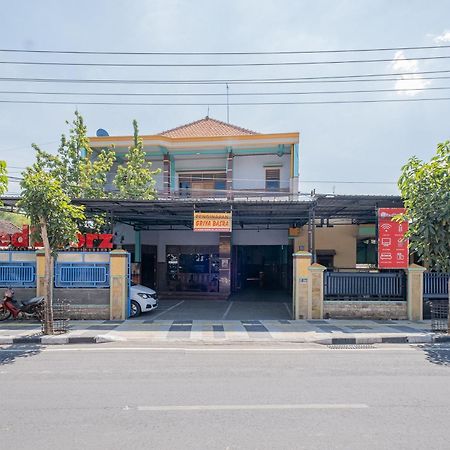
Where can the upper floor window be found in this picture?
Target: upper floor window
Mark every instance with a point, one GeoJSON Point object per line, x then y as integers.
{"type": "Point", "coordinates": [201, 183]}
{"type": "Point", "coordinates": [272, 179]}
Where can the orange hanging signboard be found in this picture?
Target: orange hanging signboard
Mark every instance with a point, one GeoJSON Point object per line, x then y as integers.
{"type": "Point", "coordinates": [212, 222]}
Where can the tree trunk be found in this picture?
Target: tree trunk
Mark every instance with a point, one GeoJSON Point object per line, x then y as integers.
{"type": "Point", "coordinates": [48, 280]}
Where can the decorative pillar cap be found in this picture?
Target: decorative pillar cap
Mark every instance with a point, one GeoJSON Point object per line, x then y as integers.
{"type": "Point", "coordinates": [317, 267]}
{"type": "Point", "coordinates": [118, 252]}
{"type": "Point", "coordinates": [302, 254]}
{"type": "Point", "coordinates": [416, 268]}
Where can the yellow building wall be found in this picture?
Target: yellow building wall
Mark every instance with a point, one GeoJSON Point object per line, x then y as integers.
{"type": "Point", "coordinates": [340, 238]}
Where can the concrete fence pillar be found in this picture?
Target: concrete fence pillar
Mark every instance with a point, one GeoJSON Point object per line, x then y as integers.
{"type": "Point", "coordinates": [40, 273]}
{"type": "Point", "coordinates": [302, 307]}
{"type": "Point", "coordinates": [315, 290]}
{"type": "Point", "coordinates": [414, 291]}
{"type": "Point", "coordinates": [118, 293]}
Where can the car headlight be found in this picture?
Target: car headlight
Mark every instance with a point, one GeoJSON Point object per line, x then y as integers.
{"type": "Point", "coordinates": [144, 295]}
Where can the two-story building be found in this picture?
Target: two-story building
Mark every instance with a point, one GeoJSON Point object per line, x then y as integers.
{"type": "Point", "coordinates": [213, 166]}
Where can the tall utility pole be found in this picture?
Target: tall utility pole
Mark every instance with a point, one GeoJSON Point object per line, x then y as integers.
{"type": "Point", "coordinates": [228, 106]}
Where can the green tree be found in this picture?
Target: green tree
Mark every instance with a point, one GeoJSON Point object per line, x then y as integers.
{"type": "Point", "coordinates": [135, 179]}
{"type": "Point", "coordinates": [425, 188]}
{"type": "Point", "coordinates": [3, 178]}
{"type": "Point", "coordinates": [82, 173]}
{"type": "Point", "coordinates": [53, 218]}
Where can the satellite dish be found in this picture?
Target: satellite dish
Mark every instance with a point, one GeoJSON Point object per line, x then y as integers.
{"type": "Point", "coordinates": [101, 132]}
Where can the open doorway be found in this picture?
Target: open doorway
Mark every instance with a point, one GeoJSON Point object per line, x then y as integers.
{"type": "Point", "coordinates": [262, 273]}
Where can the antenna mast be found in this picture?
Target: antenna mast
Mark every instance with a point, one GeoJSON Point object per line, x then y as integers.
{"type": "Point", "coordinates": [228, 106]}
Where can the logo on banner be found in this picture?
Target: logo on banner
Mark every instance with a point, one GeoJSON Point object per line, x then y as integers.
{"type": "Point", "coordinates": [393, 250]}
{"type": "Point", "coordinates": [221, 222]}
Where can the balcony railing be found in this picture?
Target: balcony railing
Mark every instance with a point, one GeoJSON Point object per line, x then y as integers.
{"type": "Point", "coordinates": [224, 194]}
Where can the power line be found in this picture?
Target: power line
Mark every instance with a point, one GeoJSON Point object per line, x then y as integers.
{"type": "Point", "coordinates": [279, 52]}
{"type": "Point", "coordinates": [318, 102]}
{"type": "Point", "coordinates": [207, 94]}
{"type": "Point", "coordinates": [246, 64]}
{"type": "Point", "coordinates": [317, 79]}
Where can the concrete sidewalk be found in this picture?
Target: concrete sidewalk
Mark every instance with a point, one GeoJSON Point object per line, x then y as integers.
{"type": "Point", "coordinates": [226, 331]}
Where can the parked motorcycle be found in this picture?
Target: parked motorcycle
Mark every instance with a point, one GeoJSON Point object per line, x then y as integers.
{"type": "Point", "coordinates": [32, 308]}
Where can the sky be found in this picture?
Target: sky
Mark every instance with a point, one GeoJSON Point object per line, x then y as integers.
{"type": "Point", "coordinates": [344, 148]}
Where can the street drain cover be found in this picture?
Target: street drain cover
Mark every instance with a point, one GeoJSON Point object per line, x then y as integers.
{"type": "Point", "coordinates": [350, 346]}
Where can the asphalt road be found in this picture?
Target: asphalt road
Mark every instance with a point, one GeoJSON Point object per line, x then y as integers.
{"type": "Point", "coordinates": [100, 397]}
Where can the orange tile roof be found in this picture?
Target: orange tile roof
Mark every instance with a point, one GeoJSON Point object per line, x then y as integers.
{"type": "Point", "coordinates": [206, 127]}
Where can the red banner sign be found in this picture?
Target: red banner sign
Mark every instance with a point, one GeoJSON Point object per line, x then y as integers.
{"type": "Point", "coordinates": [393, 250]}
{"type": "Point", "coordinates": [21, 239]}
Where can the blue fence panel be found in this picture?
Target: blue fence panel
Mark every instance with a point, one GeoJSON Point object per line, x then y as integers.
{"type": "Point", "coordinates": [364, 286]}
{"type": "Point", "coordinates": [87, 275]}
{"type": "Point", "coordinates": [18, 274]}
{"type": "Point", "coordinates": [435, 284]}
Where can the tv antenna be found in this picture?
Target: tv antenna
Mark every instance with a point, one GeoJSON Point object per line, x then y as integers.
{"type": "Point", "coordinates": [228, 105]}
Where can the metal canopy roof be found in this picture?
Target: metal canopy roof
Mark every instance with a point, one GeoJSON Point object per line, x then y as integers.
{"type": "Point", "coordinates": [246, 213]}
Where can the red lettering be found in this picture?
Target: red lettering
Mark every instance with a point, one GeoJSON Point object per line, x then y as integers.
{"type": "Point", "coordinates": [105, 241]}
{"type": "Point", "coordinates": [90, 237]}
{"type": "Point", "coordinates": [80, 241]}
{"type": "Point", "coordinates": [21, 239]}
{"type": "Point", "coordinates": [5, 240]}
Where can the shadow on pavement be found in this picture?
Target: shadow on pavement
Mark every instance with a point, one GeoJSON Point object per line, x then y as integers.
{"type": "Point", "coordinates": [437, 354]}
{"type": "Point", "coordinates": [9, 354]}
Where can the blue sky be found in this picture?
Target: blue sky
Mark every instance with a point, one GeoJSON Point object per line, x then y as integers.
{"type": "Point", "coordinates": [353, 142]}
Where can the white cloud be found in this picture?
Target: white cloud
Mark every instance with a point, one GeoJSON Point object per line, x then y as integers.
{"type": "Point", "coordinates": [411, 80]}
{"type": "Point", "coordinates": [442, 38]}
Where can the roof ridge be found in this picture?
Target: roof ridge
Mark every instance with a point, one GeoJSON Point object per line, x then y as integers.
{"type": "Point", "coordinates": [229, 125]}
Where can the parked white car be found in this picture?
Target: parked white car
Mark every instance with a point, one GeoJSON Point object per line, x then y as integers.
{"type": "Point", "coordinates": [143, 299]}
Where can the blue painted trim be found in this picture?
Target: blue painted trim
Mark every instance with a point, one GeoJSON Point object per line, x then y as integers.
{"type": "Point", "coordinates": [128, 312]}
{"type": "Point", "coordinates": [137, 246]}
{"type": "Point", "coordinates": [173, 180]}
{"type": "Point", "coordinates": [77, 275]}
{"type": "Point", "coordinates": [224, 152]}
{"type": "Point", "coordinates": [296, 160]}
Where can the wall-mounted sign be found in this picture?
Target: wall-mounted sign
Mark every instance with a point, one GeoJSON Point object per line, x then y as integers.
{"type": "Point", "coordinates": [21, 239]}
{"type": "Point", "coordinates": [212, 222]}
{"type": "Point", "coordinates": [294, 232]}
{"type": "Point", "coordinates": [393, 247]}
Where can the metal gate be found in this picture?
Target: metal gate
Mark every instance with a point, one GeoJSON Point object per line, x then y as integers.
{"type": "Point", "coordinates": [435, 292]}
{"type": "Point", "coordinates": [365, 286]}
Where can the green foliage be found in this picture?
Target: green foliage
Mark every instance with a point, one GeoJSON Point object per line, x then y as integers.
{"type": "Point", "coordinates": [81, 173]}
{"type": "Point", "coordinates": [3, 178]}
{"type": "Point", "coordinates": [135, 179]}
{"type": "Point", "coordinates": [45, 203]}
{"type": "Point", "coordinates": [425, 188]}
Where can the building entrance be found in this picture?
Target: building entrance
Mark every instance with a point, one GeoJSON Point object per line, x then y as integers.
{"type": "Point", "coordinates": [262, 272]}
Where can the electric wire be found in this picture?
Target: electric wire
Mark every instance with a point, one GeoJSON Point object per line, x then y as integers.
{"type": "Point", "coordinates": [207, 94]}
{"type": "Point", "coordinates": [246, 64]}
{"type": "Point", "coordinates": [319, 79]}
{"type": "Point", "coordinates": [205, 53]}
{"type": "Point", "coordinates": [315, 102]}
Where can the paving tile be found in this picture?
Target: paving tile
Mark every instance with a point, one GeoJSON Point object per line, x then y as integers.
{"type": "Point", "coordinates": [330, 328]}
{"type": "Point", "coordinates": [405, 328]}
{"type": "Point", "coordinates": [358, 327]}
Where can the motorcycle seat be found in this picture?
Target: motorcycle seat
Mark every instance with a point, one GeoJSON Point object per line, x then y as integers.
{"type": "Point", "coordinates": [32, 301]}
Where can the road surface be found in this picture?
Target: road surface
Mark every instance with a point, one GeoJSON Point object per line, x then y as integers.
{"type": "Point", "coordinates": [224, 397]}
